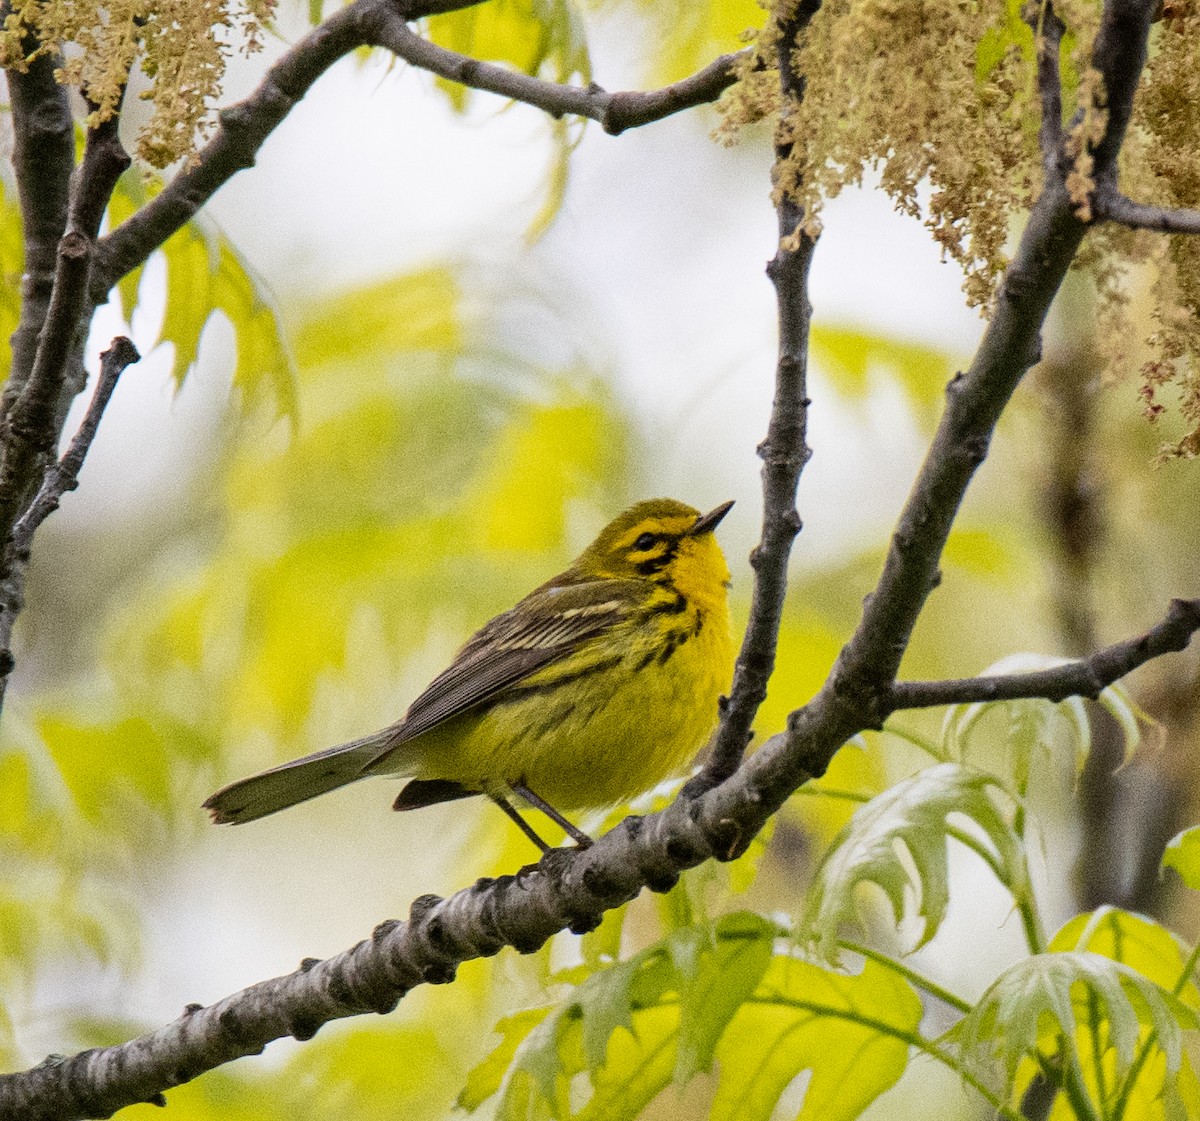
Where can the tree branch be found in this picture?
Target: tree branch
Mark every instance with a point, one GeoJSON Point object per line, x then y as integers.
{"type": "Point", "coordinates": [64, 475]}
{"type": "Point", "coordinates": [615, 112]}
{"type": "Point", "coordinates": [569, 889]}
{"type": "Point", "coordinates": [32, 425]}
{"type": "Point", "coordinates": [43, 157]}
{"type": "Point", "coordinates": [1048, 30]}
{"type": "Point", "coordinates": [867, 665]}
{"type": "Point", "coordinates": [1119, 54]}
{"type": "Point", "coordinates": [1084, 677]}
{"type": "Point", "coordinates": [784, 451]}
{"type": "Point", "coordinates": [1109, 205]}
{"type": "Point", "coordinates": [29, 432]}
{"type": "Point", "coordinates": [242, 129]}
{"type": "Point", "coordinates": [58, 479]}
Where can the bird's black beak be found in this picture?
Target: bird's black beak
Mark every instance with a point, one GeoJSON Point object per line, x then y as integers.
{"type": "Point", "coordinates": [706, 523]}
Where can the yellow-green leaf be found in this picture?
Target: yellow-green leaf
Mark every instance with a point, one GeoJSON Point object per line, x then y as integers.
{"type": "Point", "coordinates": [897, 841]}
{"type": "Point", "coordinates": [1042, 1001]}
{"type": "Point", "coordinates": [1134, 940]}
{"type": "Point", "coordinates": [852, 1032]}
{"type": "Point", "coordinates": [1183, 854]}
{"type": "Point", "coordinates": [486, 1078]}
{"type": "Point", "coordinates": [850, 355]}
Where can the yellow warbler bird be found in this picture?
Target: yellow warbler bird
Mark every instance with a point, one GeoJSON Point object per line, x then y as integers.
{"type": "Point", "coordinates": [595, 687]}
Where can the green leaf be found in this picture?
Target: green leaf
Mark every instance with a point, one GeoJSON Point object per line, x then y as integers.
{"type": "Point", "coordinates": [263, 361]}
{"type": "Point", "coordinates": [1042, 1004]}
{"type": "Point", "coordinates": [852, 1032]}
{"type": "Point", "coordinates": [718, 980]}
{"type": "Point", "coordinates": [46, 913]}
{"type": "Point", "coordinates": [102, 765]}
{"type": "Point", "coordinates": [566, 139]}
{"type": "Point", "coordinates": [204, 275]}
{"type": "Point", "coordinates": [393, 1071]}
{"type": "Point", "coordinates": [486, 1078]}
{"type": "Point", "coordinates": [1183, 854]}
{"type": "Point", "coordinates": [636, 1025]}
{"type": "Point", "coordinates": [604, 1001]}
{"type": "Point", "coordinates": [417, 311]}
{"type": "Point", "coordinates": [1012, 33]}
{"type": "Point", "coordinates": [1133, 940]}
{"type": "Point", "coordinates": [909, 818]}
{"type": "Point", "coordinates": [688, 34]}
{"type": "Point", "coordinates": [710, 993]}
{"type": "Point", "coordinates": [1033, 723]}
{"type": "Point", "coordinates": [133, 190]}
{"type": "Point", "coordinates": [990, 554]}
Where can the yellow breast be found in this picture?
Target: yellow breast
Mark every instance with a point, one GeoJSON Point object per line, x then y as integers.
{"type": "Point", "coordinates": [629, 710]}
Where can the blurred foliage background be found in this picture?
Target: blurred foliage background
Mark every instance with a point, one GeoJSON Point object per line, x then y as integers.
{"type": "Point", "coordinates": [409, 448]}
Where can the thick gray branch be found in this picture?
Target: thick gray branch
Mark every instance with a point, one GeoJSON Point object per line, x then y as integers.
{"type": "Point", "coordinates": [868, 664]}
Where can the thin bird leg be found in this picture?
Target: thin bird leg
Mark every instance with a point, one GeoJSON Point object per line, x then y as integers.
{"type": "Point", "coordinates": [522, 824]}
{"type": "Point", "coordinates": [576, 834]}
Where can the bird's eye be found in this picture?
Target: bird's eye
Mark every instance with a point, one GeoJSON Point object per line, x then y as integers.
{"type": "Point", "coordinates": [646, 541]}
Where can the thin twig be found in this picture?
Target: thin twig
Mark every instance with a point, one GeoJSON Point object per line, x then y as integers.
{"type": "Point", "coordinates": [615, 112]}
{"type": "Point", "coordinates": [1048, 30]}
{"type": "Point", "coordinates": [30, 433]}
{"type": "Point", "coordinates": [243, 128]}
{"type": "Point", "coordinates": [64, 475]}
{"type": "Point", "coordinates": [1084, 677]}
{"type": "Point", "coordinates": [784, 451]}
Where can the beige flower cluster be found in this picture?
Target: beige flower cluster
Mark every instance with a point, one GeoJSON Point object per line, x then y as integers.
{"type": "Point", "coordinates": [1167, 112]}
{"type": "Point", "coordinates": [181, 46]}
{"type": "Point", "coordinates": [939, 98]}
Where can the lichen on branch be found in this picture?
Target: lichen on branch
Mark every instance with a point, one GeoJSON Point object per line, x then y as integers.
{"type": "Point", "coordinates": [181, 46]}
